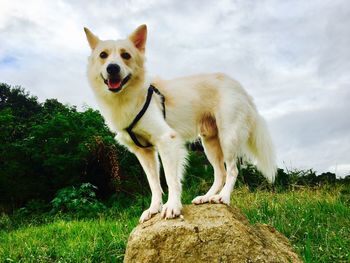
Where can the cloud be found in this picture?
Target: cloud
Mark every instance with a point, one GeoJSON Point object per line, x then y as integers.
{"type": "Point", "coordinates": [340, 168]}
{"type": "Point", "coordinates": [292, 57]}
{"type": "Point", "coordinates": [315, 137]}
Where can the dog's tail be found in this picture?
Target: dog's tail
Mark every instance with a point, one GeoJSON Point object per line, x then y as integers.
{"type": "Point", "coordinates": [261, 149]}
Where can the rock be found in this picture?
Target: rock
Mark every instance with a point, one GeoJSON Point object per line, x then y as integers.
{"type": "Point", "coordinates": [207, 233]}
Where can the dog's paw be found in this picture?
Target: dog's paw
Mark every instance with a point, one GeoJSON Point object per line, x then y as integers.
{"type": "Point", "coordinates": [220, 199]}
{"type": "Point", "coordinates": [171, 210]}
{"type": "Point", "coordinates": [147, 214]}
{"type": "Point", "coordinates": [200, 200]}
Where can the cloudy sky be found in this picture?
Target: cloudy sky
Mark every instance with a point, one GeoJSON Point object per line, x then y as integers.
{"type": "Point", "coordinates": [293, 57]}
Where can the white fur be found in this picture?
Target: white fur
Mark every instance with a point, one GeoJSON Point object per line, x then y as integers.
{"type": "Point", "coordinates": [211, 106]}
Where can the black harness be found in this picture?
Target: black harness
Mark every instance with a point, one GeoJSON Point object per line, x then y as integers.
{"type": "Point", "coordinates": [132, 135]}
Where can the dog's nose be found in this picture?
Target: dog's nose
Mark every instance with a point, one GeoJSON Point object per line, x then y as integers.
{"type": "Point", "coordinates": [113, 69]}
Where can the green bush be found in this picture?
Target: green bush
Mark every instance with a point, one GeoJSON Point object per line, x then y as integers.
{"type": "Point", "coordinates": [78, 200]}
{"type": "Point", "coordinates": [47, 146]}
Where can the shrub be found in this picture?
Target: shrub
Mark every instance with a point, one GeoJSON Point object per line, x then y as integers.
{"type": "Point", "coordinates": [47, 146]}
{"type": "Point", "coordinates": [79, 200]}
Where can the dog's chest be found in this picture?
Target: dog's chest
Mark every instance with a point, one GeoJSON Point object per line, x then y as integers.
{"type": "Point", "coordinates": [120, 118]}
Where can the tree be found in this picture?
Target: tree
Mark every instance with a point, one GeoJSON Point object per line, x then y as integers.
{"type": "Point", "coordinates": [45, 147]}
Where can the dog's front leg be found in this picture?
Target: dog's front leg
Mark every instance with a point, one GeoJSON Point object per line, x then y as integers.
{"type": "Point", "coordinates": [172, 152]}
{"type": "Point", "coordinates": [150, 164]}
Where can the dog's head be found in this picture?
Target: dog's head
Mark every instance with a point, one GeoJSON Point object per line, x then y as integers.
{"type": "Point", "coordinates": [113, 65]}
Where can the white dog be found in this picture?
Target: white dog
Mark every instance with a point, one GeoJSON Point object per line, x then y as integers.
{"type": "Point", "coordinates": [159, 116]}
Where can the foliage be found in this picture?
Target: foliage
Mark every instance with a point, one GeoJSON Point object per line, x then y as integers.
{"type": "Point", "coordinates": [23, 105]}
{"type": "Point", "coordinates": [79, 200]}
{"type": "Point", "coordinates": [48, 146]}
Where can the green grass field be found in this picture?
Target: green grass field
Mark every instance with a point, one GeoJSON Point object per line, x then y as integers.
{"type": "Point", "coordinates": [316, 221]}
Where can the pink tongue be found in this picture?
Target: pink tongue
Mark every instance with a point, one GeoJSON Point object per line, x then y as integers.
{"type": "Point", "coordinates": [114, 85]}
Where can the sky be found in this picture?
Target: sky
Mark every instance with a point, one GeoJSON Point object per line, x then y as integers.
{"type": "Point", "coordinates": [293, 57]}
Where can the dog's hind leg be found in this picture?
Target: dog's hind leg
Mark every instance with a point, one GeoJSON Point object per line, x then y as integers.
{"type": "Point", "coordinates": [215, 156]}
{"type": "Point", "coordinates": [230, 141]}
{"type": "Point", "coordinates": [231, 177]}
{"type": "Point", "coordinates": [150, 164]}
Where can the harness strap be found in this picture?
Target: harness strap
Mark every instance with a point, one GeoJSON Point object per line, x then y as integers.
{"type": "Point", "coordinates": [132, 135]}
{"type": "Point", "coordinates": [162, 99]}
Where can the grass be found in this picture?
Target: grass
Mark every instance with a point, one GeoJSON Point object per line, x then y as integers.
{"type": "Point", "coordinates": [85, 240]}
{"type": "Point", "coordinates": [316, 221]}
{"type": "Point", "coordinates": [99, 240]}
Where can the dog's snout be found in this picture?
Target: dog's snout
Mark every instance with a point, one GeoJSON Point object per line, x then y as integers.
{"type": "Point", "coordinates": [113, 69]}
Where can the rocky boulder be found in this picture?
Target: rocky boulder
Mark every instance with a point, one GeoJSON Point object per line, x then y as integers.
{"type": "Point", "coordinates": [207, 233]}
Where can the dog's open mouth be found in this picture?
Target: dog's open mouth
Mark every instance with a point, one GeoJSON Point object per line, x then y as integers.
{"type": "Point", "coordinates": [115, 84]}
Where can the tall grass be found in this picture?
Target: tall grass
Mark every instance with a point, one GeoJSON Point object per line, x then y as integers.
{"type": "Point", "coordinates": [317, 222]}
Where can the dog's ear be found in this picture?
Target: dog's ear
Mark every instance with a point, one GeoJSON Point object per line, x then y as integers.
{"type": "Point", "coordinates": [92, 39]}
{"type": "Point", "coordinates": [138, 37]}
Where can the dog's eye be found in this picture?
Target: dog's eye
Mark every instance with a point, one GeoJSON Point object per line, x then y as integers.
{"type": "Point", "coordinates": [103, 54]}
{"type": "Point", "coordinates": [125, 55]}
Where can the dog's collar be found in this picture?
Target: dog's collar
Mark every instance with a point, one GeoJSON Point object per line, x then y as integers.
{"type": "Point", "coordinates": [150, 92]}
